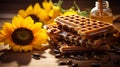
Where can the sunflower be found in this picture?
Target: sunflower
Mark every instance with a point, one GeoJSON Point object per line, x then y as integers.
{"type": "Point", "coordinates": [23, 34]}
{"type": "Point", "coordinates": [31, 11]}
{"type": "Point", "coordinates": [37, 13]}
{"type": "Point", "coordinates": [44, 12]}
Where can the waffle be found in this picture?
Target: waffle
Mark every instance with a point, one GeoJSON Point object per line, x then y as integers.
{"type": "Point", "coordinates": [83, 26]}
{"type": "Point", "coordinates": [75, 33]}
{"type": "Point", "coordinates": [73, 39]}
{"type": "Point", "coordinates": [69, 42]}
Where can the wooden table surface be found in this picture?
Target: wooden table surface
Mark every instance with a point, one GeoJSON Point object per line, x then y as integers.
{"type": "Point", "coordinates": [47, 59]}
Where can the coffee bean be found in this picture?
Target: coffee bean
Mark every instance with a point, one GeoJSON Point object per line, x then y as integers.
{"type": "Point", "coordinates": [75, 65]}
{"type": "Point", "coordinates": [116, 61]}
{"type": "Point", "coordinates": [69, 62]}
{"type": "Point", "coordinates": [62, 63]}
{"type": "Point", "coordinates": [56, 51]}
{"type": "Point", "coordinates": [36, 56]}
{"type": "Point", "coordinates": [95, 65]}
{"type": "Point", "coordinates": [58, 55]}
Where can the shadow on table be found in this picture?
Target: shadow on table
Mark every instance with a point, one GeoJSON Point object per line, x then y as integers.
{"type": "Point", "coordinates": [23, 58]}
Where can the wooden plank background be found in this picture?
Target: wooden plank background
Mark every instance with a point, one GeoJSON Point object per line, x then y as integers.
{"type": "Point", "coordinates": [12, 6]}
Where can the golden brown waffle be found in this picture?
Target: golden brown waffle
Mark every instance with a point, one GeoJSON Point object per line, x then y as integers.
{"type": "Point", "coordinates": [77, 40]}
{"type": "Point", "coordinates": [69, 42]}
{"type": "Point", "coordinates": [83, 26]}
{"type": "Point", "coordinates": [81, 34]}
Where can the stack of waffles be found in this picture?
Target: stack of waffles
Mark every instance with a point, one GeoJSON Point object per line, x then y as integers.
{"type": "Point", "coordinates": [76, 33]}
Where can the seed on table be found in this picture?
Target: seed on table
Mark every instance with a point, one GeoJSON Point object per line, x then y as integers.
{"type": "Point", "coordinates": [75, 65]}
{"type": "Point", "coordinates": [62, 63]}
{"type": "Point", "coordinates": [71, 56]}
{"type": "Point", "coordinates": [86, 58]}
{"type": "Point", "coordinates": [96, 57]}
{"type": "Point", "coordinates": [95, 65]}
{"type": "Point", "coordinates": [69, 62]}
{"type": "Point", "coordinates": [36, 55]}
{"type": "Point", "coordinates": [37, 58]}
{"type": "Point", "coordinates": [56, 51]}
{"type": "Point", "coordinates": [58, 55]}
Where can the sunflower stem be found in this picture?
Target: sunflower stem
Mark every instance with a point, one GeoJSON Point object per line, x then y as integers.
{"type": "Point", "coordinates": [59, 3]}
{"type": "Point", "coordinates": [78, 9]}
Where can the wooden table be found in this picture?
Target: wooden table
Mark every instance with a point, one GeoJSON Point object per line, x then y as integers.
{"type": "Point", "coordinates": [11, 59]}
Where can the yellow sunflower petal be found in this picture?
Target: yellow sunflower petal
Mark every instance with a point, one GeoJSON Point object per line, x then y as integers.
{"type": "Point", "coordinates": [44, 37]}
{"type": "Point", "coordinates": [21, 49]}
{"type": "Point", "coordinates": [43, 15]}
{"type": "Point", "coordinates": [55, 11]}
{"type": "Point", "coordinates": [25, 48]}
{"type": "Point", "coordinates": [27, 21]}
{"type": "Point", "coordinates": [2, 36]}
{"type": "Point", "coordinates": [11, 43]}
{"type": "Point", "coordinates": [40, 46]}
{"type": "Point", "coordinates": [29, 47]}
{"type": "Point", "coordinates": [17, 21]}
{"type": "Point", "coordinates": [29, 10]}
{"type": "Point", "coordinates": [22, 13]}
{"type": "Point", "coordinates": [45, 18]}
{"type": "Point", "coordinates": [38, 24]}
{"type": "Point", "coordinates": [40, 39]}
{"type": "Point", "coordinates": [36, 27]}
{"type": "Point", "coordinates": [37, 9]}
{"type": "Point", "coordinates": [41, 36]}
{"type": "Point", "coordinates": [37, 45]}
{"type": "Point", "coordinates": [2, 33]}
{"type": "Point", "coordinates": [47, 5]}
{"type": "Point", "coordinates": [16, 48]}
{"type": "Point", "coordinates": [8, 28]}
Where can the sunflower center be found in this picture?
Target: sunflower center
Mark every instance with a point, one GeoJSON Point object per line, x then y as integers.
{"type": "Point", "coordinates": [22, 36]}
{"type": "Point", "coordinates": [35, 18]}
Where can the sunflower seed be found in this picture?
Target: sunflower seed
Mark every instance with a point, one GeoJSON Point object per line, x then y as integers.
{"type": "Point", "coordinates": [95, 65]}
{"type": "Point", "coordinates": [75, 65]}
{"type": "Point", "coordinates": [36, 56]}
{"type": "Point", "coordinates": [62, 63]}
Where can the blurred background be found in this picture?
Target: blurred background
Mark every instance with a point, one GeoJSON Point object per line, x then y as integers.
{"type": "Point", "coordinates": [11, 7]}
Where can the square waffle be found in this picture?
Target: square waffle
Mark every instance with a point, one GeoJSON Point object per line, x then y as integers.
{"type": "Point", "coordinates": [77, 33]}
{"type": "Point", "coordinates": [83, 26]}
{"type": "Point", "coordinates": [69, 42]}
